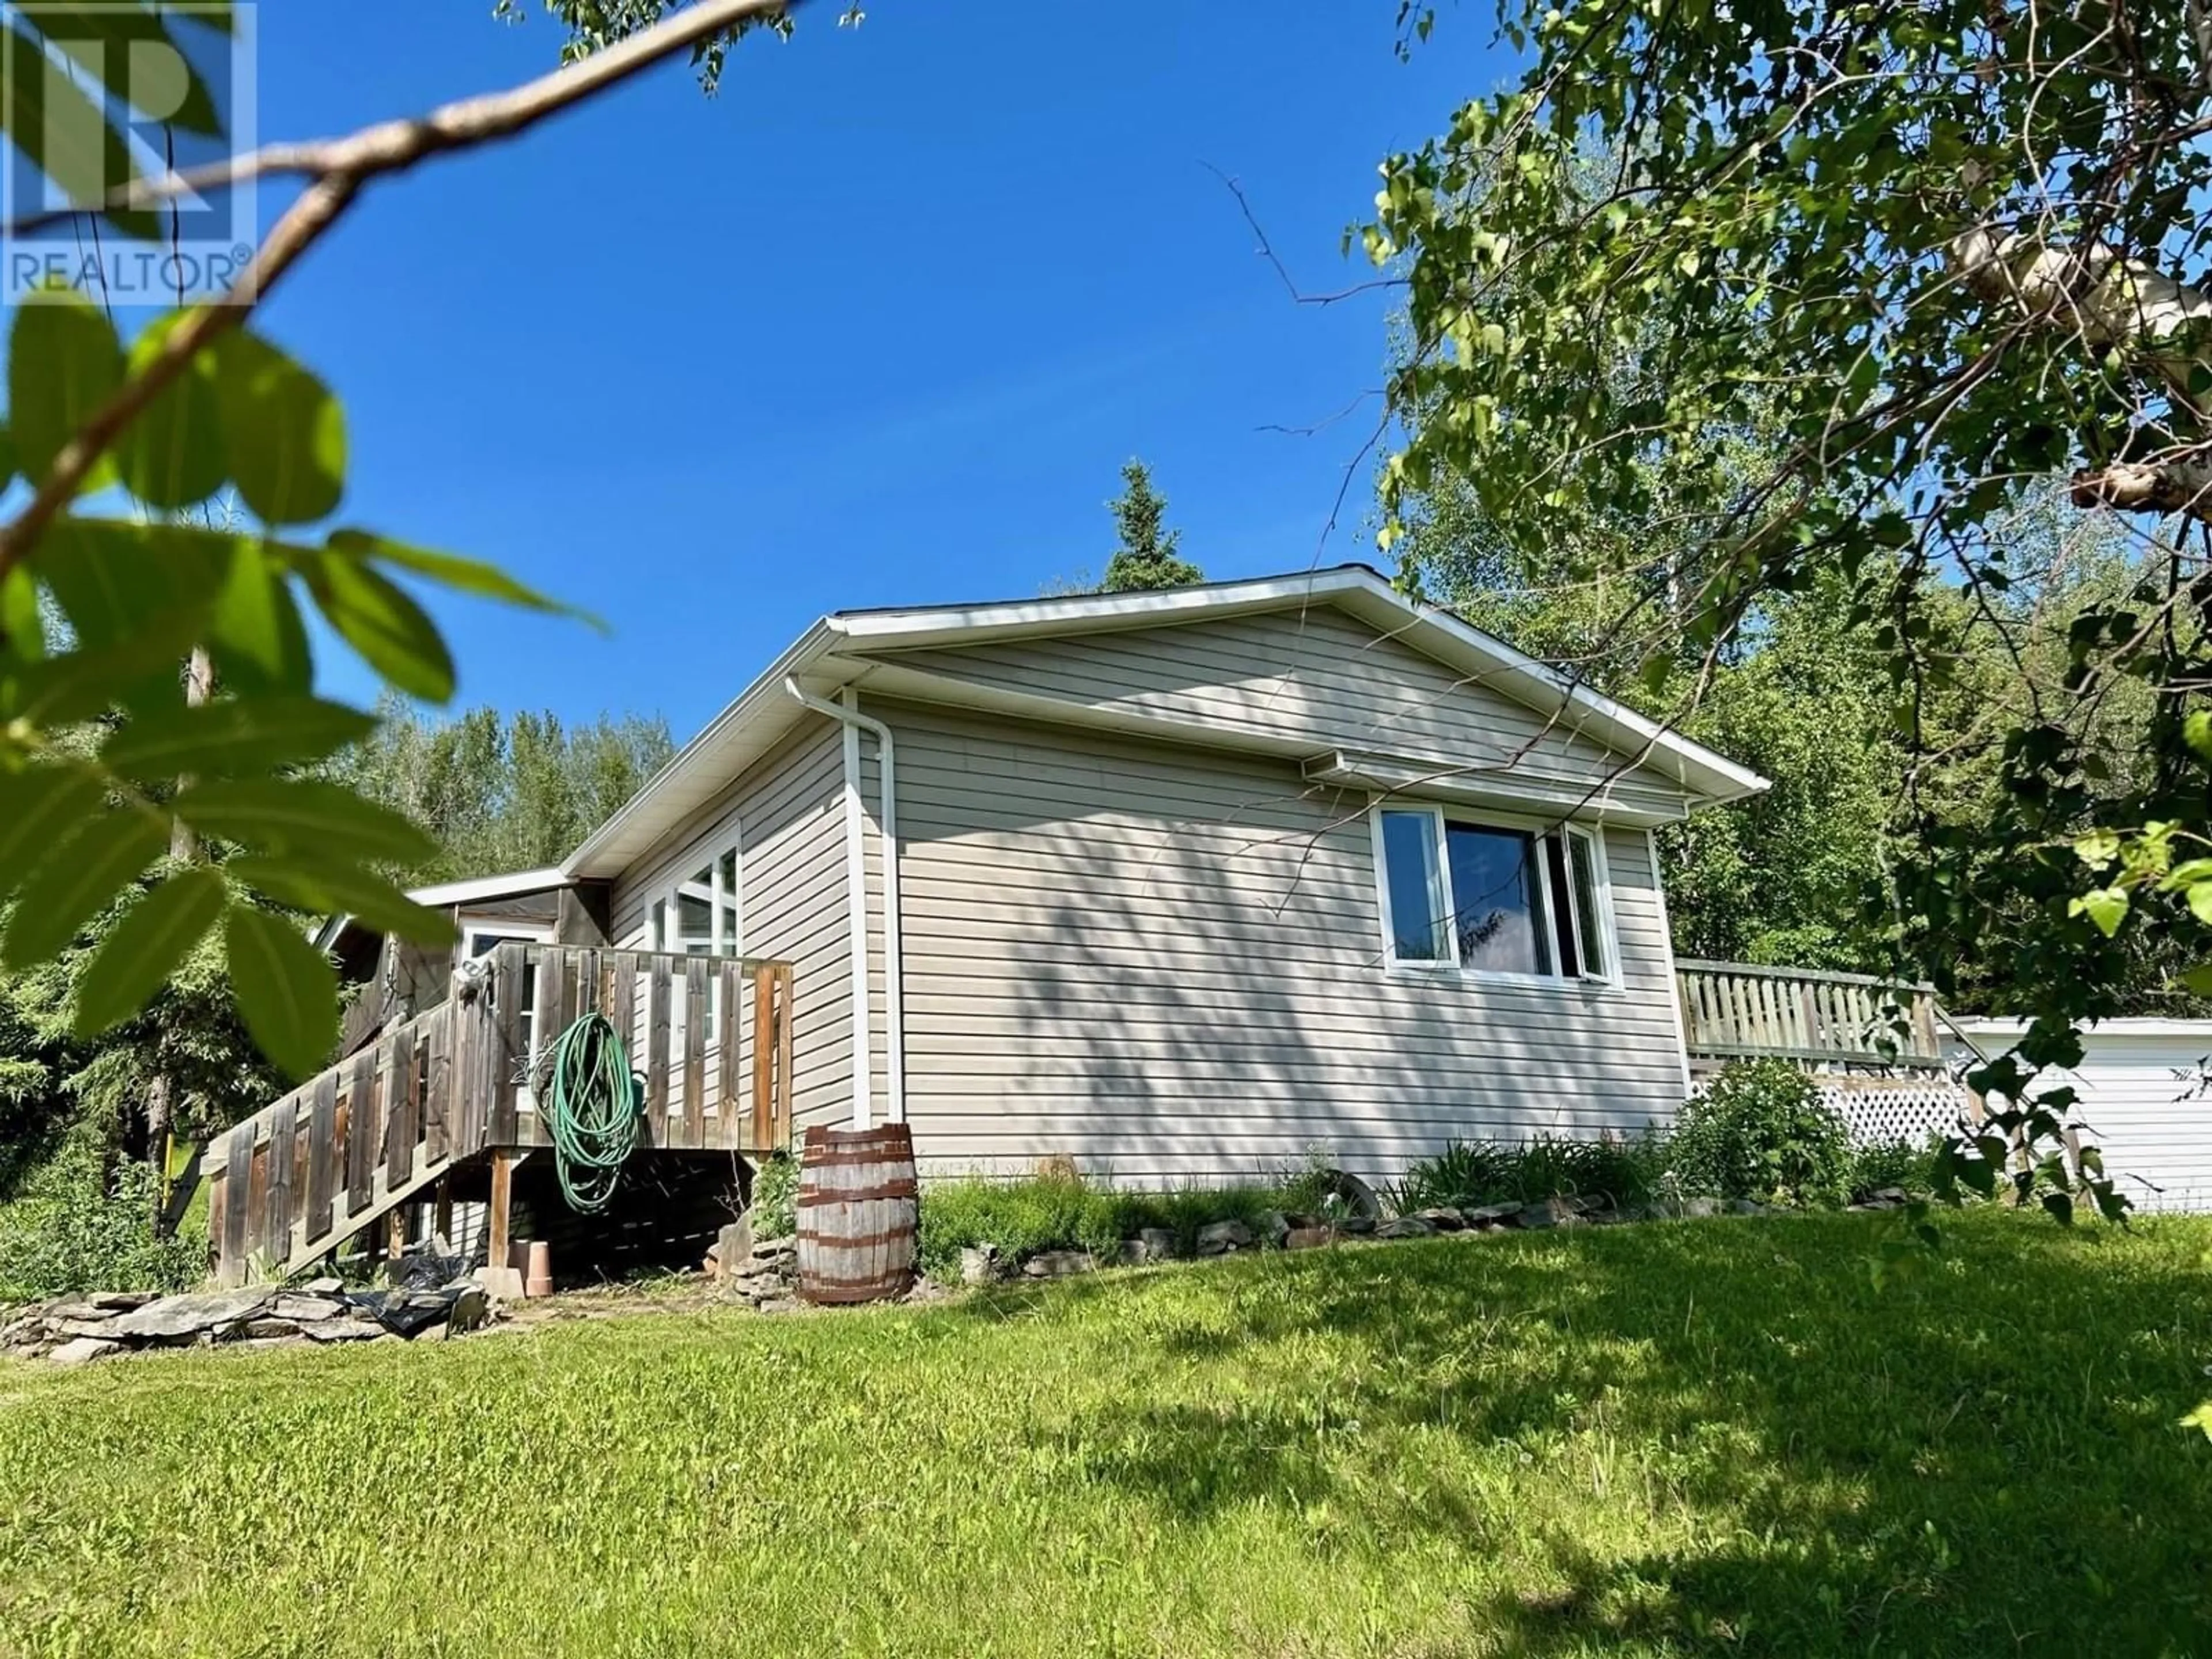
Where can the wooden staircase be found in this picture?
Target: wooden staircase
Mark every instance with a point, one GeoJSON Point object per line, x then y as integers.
{"type": "Point", "coordinates": [311, 1172]}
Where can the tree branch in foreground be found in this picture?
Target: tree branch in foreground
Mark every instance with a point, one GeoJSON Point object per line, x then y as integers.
{"type": "Point", "coordinates": [339, 169]}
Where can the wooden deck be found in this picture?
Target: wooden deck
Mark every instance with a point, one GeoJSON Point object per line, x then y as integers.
{"type": "Point", "coordinates": [711, 1038]}
{"type": "Point", "coordinates": [1735, 1011]}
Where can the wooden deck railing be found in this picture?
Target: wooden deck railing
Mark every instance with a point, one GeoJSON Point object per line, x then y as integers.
{"type": "Point", "coordinates": [711, 1037]}
{"type": "Point", "coordinates": [1732, 1010]}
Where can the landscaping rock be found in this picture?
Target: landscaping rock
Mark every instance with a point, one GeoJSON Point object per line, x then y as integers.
{"type": "Point", "coordinates": [1549, 1212]}
{"type": "Point", "coordinates": [342, 1330]}
{"type": "Point", "coordinates": [1348, 1199]}
{"type": "Point", "coordinates": [1060, 1264]}
{"type": "Point", "coordinates": [183, 1318]}
{"type": "Point", "coordinates": [1699, 1208]}
{"type": "Point", "coordinates": [83, 1350]}
{"type": "Point", "coordinates": [733, 1247]}
{"type": "Point", "coordinates": [1406, 1226]}
{"type": "Point", "coordinates": [1442, 1218]}
{"type": "Point", "coordinates": [979, 1264]}
{"type": "Point", "coordinates": [1746, 1206]}
{"type": "Point", "coordinates": [1489, 1215]}
{"type": "Point", "coordinates": [254, 1330]}
{"type": "Point", "coordinates": [308, 1309]}
{"type": "Point", "coordinates": [471, 1309]}
{"type": "Point", "coordinates": [777, 1305]}
{"type": "Point", "coordinates": [1309, 1238]}
{"type": "Point", "coordinates": [1160, 1244]}
{"type": "Point", "coordinates": [1886, 1198]}
{"type": "Point", "coordinates": [1357, 1225]}
{"type": "Point", "coordinates": [1271, 1228]}
{"type": "Point", "coordinates": [1220, 1237]}
{"type": "Point", "coordinates": [103, 1327]}
{"type": "Point", "coordinates": [122, 1301]}
{"type": "Point", "coordinates": [324, 1286]}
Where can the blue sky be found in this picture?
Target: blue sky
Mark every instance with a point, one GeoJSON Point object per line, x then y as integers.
{"type": "Point", "coordinates": [877, 324]}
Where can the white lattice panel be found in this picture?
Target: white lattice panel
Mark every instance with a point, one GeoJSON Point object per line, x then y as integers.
{"type": "Point", "coordinates": [1879, 1111]}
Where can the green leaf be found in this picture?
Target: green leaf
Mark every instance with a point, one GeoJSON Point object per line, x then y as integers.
{"type": "Point", "coordinates": [304, 817]}
{"type": "Point", "coordinates": [449, 570]}
{"type": "Point", "coordinates": [2200, 1419]}
{"type": "Point", "coordinates": [38, 805]}
{"type": "Point", "coordinates": [2200, 901]}
{"type": "Point", "coordinates": [394, 635]}
{"type": "Point", "coordinates": [373, 899]}
{"type": "Point", "coordinates": [145, 948]}
{"type": "Point", "coordinates": [79, 877]}
{"type": "Point", "coordinates": [156, 80]}
{"type": "Point", "coordinates": [142, 671]}
{"type": "Point", "coordinates": [22, 630]}
{"type": "Point", "coordinates": [2097, 848]}
{"type": "Point", "coordinates": [10, 462]}
{"type": "Point", "coordinates": [113, 580]}
{"type": "Point", "coordinates": [2197, 980]}
{"type": "Point", "coordinates": [2107, 906]}
{"type": "Point", "coordinates": [257, 733]}
{"type": "Point", "coordinates": [67, 136]}
{"type": "Point", "coordinates": [287, 990]}
{"type": "Point", "coordinates": [2060, 1207]}
{"type": "Point", "coordinates": [63, 364]}
{"type": "Point", "coordinates": [171, 455]}
{"type": "Point", "coordinates": [254, 631]}
{"type": "Point", "coordinates": [285, 433]}
{"type": "Point", "coordinates": [2197, 731]}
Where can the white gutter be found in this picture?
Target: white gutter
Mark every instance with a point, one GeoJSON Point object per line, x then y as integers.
{"type": "Point", "coordinates": [856, 891]}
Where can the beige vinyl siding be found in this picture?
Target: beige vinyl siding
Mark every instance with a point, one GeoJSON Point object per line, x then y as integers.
{"type": "Point", "coordinates": [1318, 677]}
{"type": "Point", "coordinates": [790, 810]}
{"type": "Point", "coordinates": [1167, 962]}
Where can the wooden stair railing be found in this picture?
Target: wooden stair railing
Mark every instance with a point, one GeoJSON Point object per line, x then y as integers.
{"type": "Point", "coordinates": [711, 1036]}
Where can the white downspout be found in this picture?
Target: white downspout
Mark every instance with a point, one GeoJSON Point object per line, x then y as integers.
{"type": "Point", "coordinates": [856, 879]}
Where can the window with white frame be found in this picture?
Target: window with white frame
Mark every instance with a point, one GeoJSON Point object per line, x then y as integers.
{"type": "Point", "coordinates": [702, 915]}
{"type": "Point", "coordinates": [1457, 892]}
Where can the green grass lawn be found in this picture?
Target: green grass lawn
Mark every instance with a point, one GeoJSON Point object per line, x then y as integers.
{"type": "Point", "coordinates": [1702, 1436]}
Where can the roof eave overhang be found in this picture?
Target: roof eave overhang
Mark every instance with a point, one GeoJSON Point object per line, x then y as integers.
{"type": "Point", "coordinates": [864, 647]}
{"type": "Point", "coordinates": [1505, 790]}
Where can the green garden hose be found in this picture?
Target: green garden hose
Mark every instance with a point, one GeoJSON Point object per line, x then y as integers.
{"type": "Point", "coordinates": [596, 1110]}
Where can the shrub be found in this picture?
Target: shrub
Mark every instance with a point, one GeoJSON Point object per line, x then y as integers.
{"type": "Point", "coordinates": [1893, 1164]}
{"type": "Point", "coordinates": [76, 1227]}
{"type": "Point", "coordinates": [1468, 1173]}
{"type": "Point", "coordinates": [1760, 1131]}
{"type": "Point", "coordinates": [1019, 1217]}
{"type": "Point", "coordinates": [1060, 1212]}
{"type": "Point", "coordinates": [774, 1209]}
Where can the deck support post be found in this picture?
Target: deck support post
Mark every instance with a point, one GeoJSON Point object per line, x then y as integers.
{"type": "Point", "coordinates": [498, 1244]}
{"type": "Point", "coordinates": [441, 1212]}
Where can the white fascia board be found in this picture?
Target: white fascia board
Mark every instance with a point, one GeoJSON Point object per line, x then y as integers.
{"type": "Point", "coordinates": [482, 888]}
{"type": "Point", "coordinates": [1505, 789]}
{"type": "Point", "coordinates": [2198, 1031]}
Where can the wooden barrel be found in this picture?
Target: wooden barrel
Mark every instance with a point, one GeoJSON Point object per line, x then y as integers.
{"type": "Point", "coordinates": [857, 1213]}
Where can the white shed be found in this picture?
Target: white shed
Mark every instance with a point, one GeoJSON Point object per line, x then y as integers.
{"type": "Point", "coordinates": [2145, 1101]}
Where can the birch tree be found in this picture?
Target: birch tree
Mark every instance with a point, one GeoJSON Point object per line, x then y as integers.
{"type": "Point", "coordinates": [1952, 253]}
